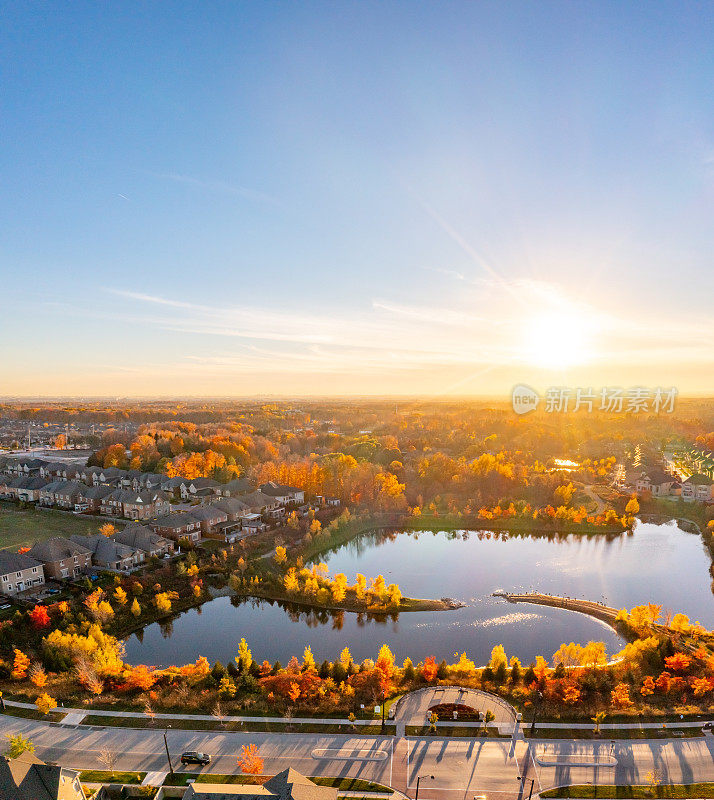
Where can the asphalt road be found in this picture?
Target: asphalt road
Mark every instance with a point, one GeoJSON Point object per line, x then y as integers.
{"type": "Point", "coordinates": [461, 768]}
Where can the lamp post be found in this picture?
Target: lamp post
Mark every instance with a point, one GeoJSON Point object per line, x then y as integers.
{"type": "Point", "coordinates": [168, 755]}
{"type": "Point", "coordinates": [384, 700]}
{"type": "Point", "coordinates": [536, 708]}
{"type": "Point", "coordinates": [416, 795]}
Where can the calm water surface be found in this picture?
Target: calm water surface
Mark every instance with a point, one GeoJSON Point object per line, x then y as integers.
{"type": "Point", "coordinates": [657, 563]}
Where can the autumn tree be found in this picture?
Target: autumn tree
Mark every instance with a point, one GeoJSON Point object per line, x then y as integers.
{"type": "Point", "coordinates": [39, 617]}
{"type": "Point", "coordinates": [107, 529]}
{"type": "Point", "coordinates": [45, 703]}
{"type": "Point", "coordinates": [250, 761]}
{"type": "Point", "coordinates": [17, 745]}
{"type": "Point", "coordinates": [20, 665]}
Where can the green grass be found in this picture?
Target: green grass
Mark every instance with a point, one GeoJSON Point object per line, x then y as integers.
{"type": "Point", "coordinates": [210, 725]}
{"type": "Point", "coordinates": [625, 733]}
{"type": "Point", "coordinates": [454, 731]}
{"type": "Point", "coordinates": [104, 776]}
{"type": "Point", "coordinates": [23, 527]}
{"type": "Point", "coordinates": [670, 790]}
{"type": "Point", "coordinates": [342, 784]}
{"type": "Point", "coordinates": [31, 713]}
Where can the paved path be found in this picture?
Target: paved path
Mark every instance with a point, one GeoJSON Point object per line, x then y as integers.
{"type": "Point", "coordinates": [412, 709]}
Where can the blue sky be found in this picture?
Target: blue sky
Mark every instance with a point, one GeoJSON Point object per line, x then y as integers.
{"type": "Point", "coordinates": [370, 198]}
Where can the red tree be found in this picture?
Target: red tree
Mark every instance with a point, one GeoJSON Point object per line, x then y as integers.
{"type": "Point", "coordinates": [39, 617]}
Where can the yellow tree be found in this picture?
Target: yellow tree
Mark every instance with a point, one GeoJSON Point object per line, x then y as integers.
{"type": "Point", "coordinates": [245, 656]}
{"type": "Point", "coordinates": [280, 555]}
{"type": "Point", "coordinates": [250, 761]}
{"type": "Point", "coordinates": [632, 506]}
{"type": "Point", "coordinates": [20, 665]}
{"type": "Point", "coordinates": [45, 703]}
{"type": "Point", "coordinates": [308, 660]}
{"type": "Point", "coordinates": [136, 608]}
{"type": "Point", "coordinates": [107, 529]}
{"type": "Point", "coordinates": [120, 596]}
{"type": "Point", "coordinates": [394, 595]}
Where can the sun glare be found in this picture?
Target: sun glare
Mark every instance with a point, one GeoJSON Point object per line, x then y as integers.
{"type": "Point", "coordinates": [556, 341]}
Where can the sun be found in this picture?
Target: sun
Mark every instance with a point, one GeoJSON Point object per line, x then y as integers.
{"type": "Point", "coordinates": [556, 341]}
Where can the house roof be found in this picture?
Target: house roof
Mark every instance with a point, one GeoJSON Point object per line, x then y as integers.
{"type": "Point", "coordinates": [278, 489]}
{"type": "Point", "coordinates": [176, 520]}
{"type": "Point", "coordinates": [207, 513]}
{"type": "Point", "coordinates": [257, 500]}
{"type": "Point", "coordinates": [14, 562]}
{"type": "Point", "coordinates": [204, 483]}
{"type": "Point", "coordinates": [56, 549]}
{"type": "Point", "coordinates": [104, 549]}
{"type": "Point", "coordinates": [231, 505]}
{"type": "Point", "coordinates": [96, 492]}
{"type": "Point", "coordinates": [238, 485]}
{"type": "Point", "coordinates": [140, 537]}
{"type": "Point", "coordinates": [658, 477]}
{"type": "Point", "coordinates": [699, 480]}
{"type": "Point", "coordinates": [28, 778]}
{"type": "Point", "coordinates": [286, 785]}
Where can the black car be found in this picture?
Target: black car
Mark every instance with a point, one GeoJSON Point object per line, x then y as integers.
{"type": "Point", "coordinates": [194, 757]}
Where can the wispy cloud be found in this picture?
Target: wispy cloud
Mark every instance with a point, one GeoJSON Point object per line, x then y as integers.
{"type": "Point", "coordinates": [219, 187]}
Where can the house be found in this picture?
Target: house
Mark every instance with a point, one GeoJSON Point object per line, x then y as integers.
{"type": "Point", "coordinates": [286, 785]}
{"type": "Point", "coordinates": [24, 466]}
{"type": "Point", "coordinates": [260, 503]}
{"type": "Point", "coordinates": [28, 778]}
{"type": "Point", "coordinates": [174, 485]}
{"type": "Point", "coordinates": [283, 494]}
{"type": "Point", "coordinates": [143, 538]}
{"type": "Point", "coordinates": [234, 488]}
{"type": "Point", "coordinates": [47, 494]}
{"type": "Point", "coordinates": [209, 516]}
{"type": "Point", "coordinates": [198, 487]}
{"type": "Point", "coordinates": [181, 525]}
{"type": "Point", "coordinates": [134, 505]}
{"type": "Point", "coordinates": [253, 523]}
{"type": "Point", "coordinates": [18, 572]}
{"type": "Point", "coordinates": [28, 489]}
{"type": "Point", "coordinates": [698, 487]}
{"type": "Point", "coordinates": [61, 558]}
{"type": "Point", "coordinates": [90, 498]}
{"type": "Point", "coordinates": [110, 554]}
{"type": "Point", "coordinates": [232, 507]}
{"type": "Point", "coordinates": [67, 494]}
{"type": "Point", "coordinates": [655, 481]}
{"type": "Point", "coordinates": [148, 480]}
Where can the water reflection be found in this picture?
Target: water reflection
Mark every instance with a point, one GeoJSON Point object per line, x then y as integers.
{"type": "Point", "coordinates": [655, 563]}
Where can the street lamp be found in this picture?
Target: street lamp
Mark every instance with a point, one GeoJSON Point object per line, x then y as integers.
{"type": "Point", "coordinates": [416, 795]}
{"type": "Point", "coordinates": [384, 700]}
{"type": "Point", "coordinates": [536, 708]}
{"type": "Point", "coordinates": [166, 745]}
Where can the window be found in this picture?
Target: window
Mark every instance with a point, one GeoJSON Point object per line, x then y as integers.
{"type": "Point", "coordinates": [34, 569]}
{"type": "Point", "coordinates": [9, 587]}
{"type": "Point", "coordinates": [18, 574]}
{"type": "Point", "coordinates": [4, 577]}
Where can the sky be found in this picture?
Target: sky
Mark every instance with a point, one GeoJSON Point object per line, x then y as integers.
{"type": "Point", "coordinates": [369, 198]}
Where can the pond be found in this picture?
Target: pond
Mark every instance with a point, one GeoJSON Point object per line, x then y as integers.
{"type": "Point", "coordinates": [657, 563]}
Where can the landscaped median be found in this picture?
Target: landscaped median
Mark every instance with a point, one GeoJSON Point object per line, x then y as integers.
{"type": "Point", "coordinates": [693, 790]}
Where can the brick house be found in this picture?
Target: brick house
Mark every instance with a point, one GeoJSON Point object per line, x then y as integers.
{"type": "Point", "coordinates": [18, 572]}
{"type": "Point", "coordinates": [61, 558]}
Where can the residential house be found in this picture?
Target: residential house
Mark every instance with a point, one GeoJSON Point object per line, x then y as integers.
{"type": "Point", "coordinates": [286, 785]}
{"type": "Point", "coordinates": [174, 485]}
{"type": "Point", "coordinates": [90, 498]}
{"type": "Point", "coordinates": [110, 554]}
{"type": "Point", "coordinates": [134, 505]}
{"type": "Point", "coordinates": [47, 494]}
{"type": "Point", "coordinates": [232, 507]}
{"type": "Point", "coordinates": [24, 466]}
{"type": "Point", "coordinates": [143, 538]}
{"type": "Point", "coordinates": [177, 526]}
{"type": "Point", "coordinates": [655, 481]}
{"type": "Point", "coordinates": [260, 503]}
{"type": "Point", "coordinates": [68, 493]}
{"type": "Point", "coordinates": [198, 487]}
{"type": "Point", "coordinates": [283, 494]}
{"type": "Point", "coordinates": [61, 558]}
{"type": "Point", "coordinates": [698, 487]}
{"type": "Point", "coordinates": [253, 523]}
{"type": "Point", "coordinates": [234, 488]}
{"type": "Point", "coordinates": [210, 517]}
{"type": "Point", "coordinates": [18, 572]}
{"type": "Point", "coordinates": [28, 778]}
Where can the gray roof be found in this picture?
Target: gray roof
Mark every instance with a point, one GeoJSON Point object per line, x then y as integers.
{"type": "Point", "coordinates": [104, 549]}
{"type": "Point", "coordinates": [56, 549]}
{"type": "Point", "coordinates": [231, 505]}
{"type": "Point", "coordinates": [238, 485]}
{"type": "Point", "coordinates": [277, 489]}
{"type": "Point", "coordinates": [14, 562]}
{"type": "Point", "coordinates": [204, 483]}
{"type": "Point", "coordinates": [176, 520]}
{"type": "Point", "coordinates": [140, 537]}
{"type": "Point", "coordinates": [28, 778]}
{"type": "Point", "coordinates": [207, 513]}
{"type": "Point", "coordinates": [96, 492]}
{"type": "Point", "coordinates": [258, 500]}
{"type": "Point", "coordinates": [286, 785]}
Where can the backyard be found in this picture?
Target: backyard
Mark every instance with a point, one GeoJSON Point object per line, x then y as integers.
{"type": "Point", "coordinates": [23, 527]}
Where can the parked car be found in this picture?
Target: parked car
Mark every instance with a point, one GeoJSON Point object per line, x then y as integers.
{"type": "Point", "coordinates": [194, 757]}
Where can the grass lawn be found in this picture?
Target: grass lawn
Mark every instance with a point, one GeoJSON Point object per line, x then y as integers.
{"type": "Point", "coordinates": [21, 527]}
{"type": "Point", "coordinates": [624, 733]}
{"type": "Point", "coordinates": [210, 725]}
{"type": "Point", "coordinates": [31, 713]}
{"type": "Point", "coordinates": [343, 784]}
{"type": "Point", "coordinates": [670, 790]}
{"type": "Point", "coordinates": [103, 776]}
